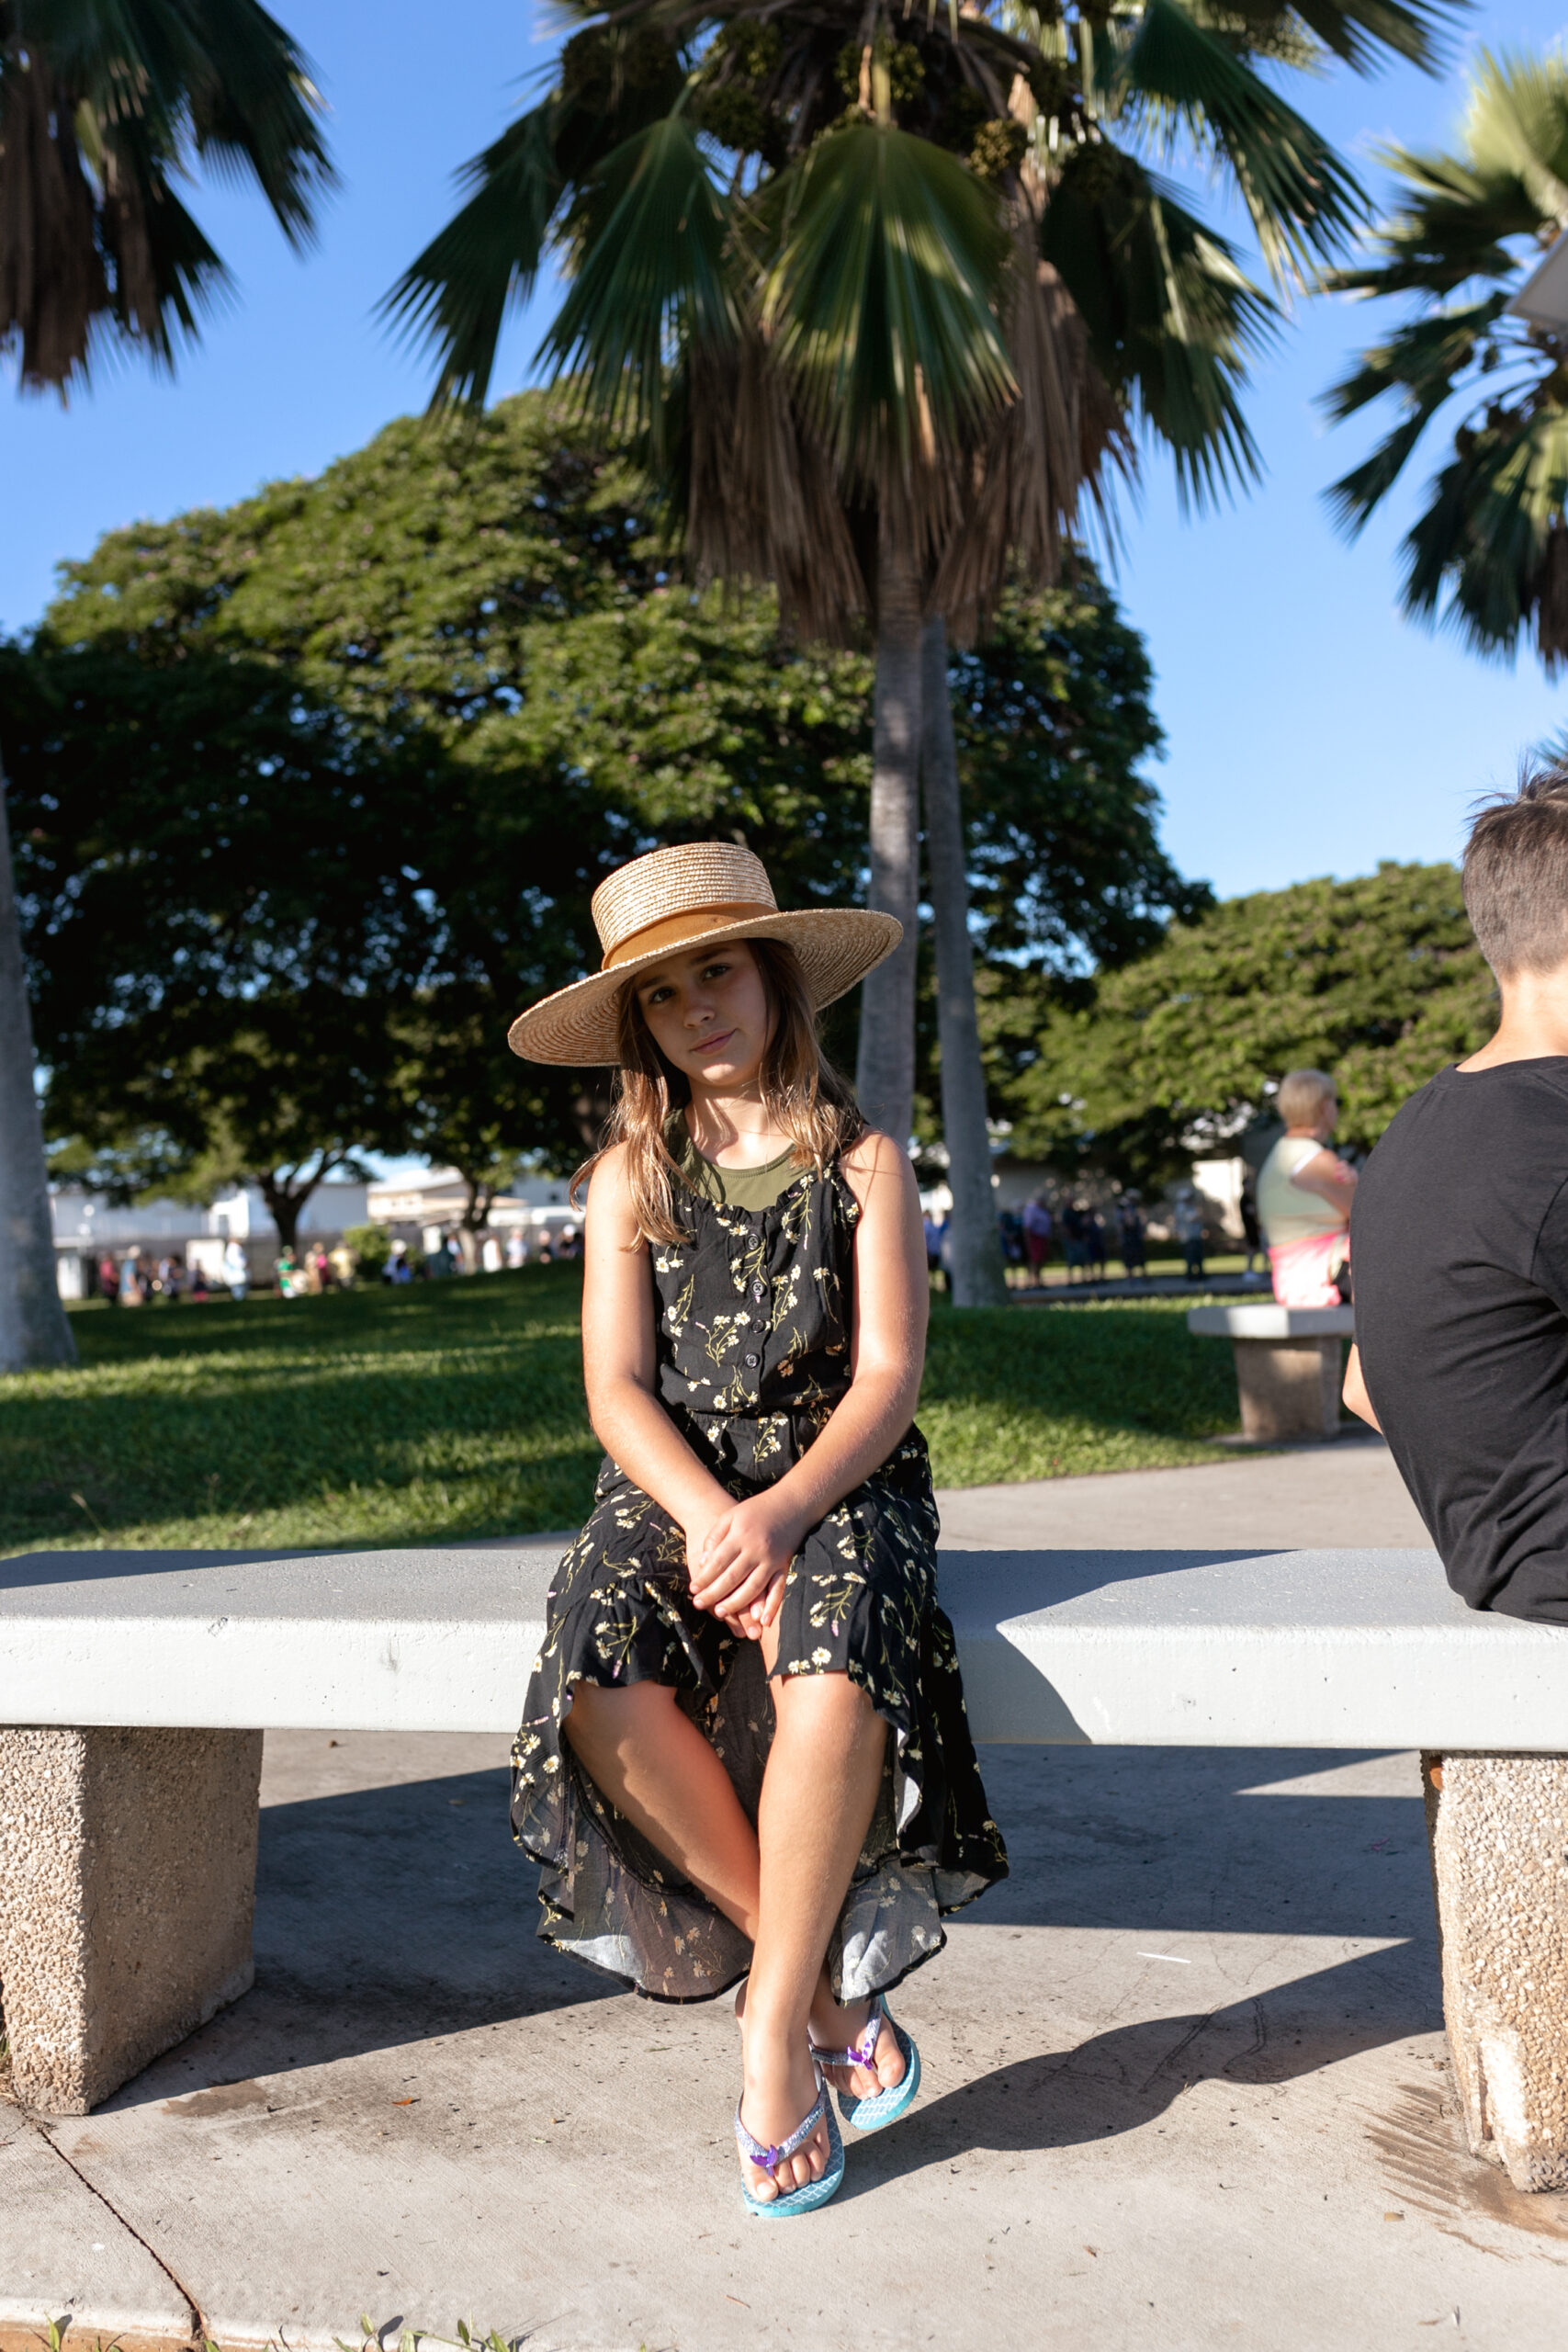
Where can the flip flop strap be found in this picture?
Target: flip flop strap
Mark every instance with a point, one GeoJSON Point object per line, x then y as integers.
{"type": "Point", "coordinates": [769, 2159]}
{"type": "Point", "coordinates": [861, 2052]}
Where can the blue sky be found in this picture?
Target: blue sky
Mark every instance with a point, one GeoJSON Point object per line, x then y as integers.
{"type": "Point", "coordinates": [1310, 730]}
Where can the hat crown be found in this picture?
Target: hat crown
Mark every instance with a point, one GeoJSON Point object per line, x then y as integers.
{"type": "Point", "coordinates": [681, 880]}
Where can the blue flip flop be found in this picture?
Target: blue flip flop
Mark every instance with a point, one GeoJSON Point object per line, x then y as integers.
{"type": "Point", "coordinates": [815, 2192]}
{"type": "Point", "coordinates": [875, 2114]}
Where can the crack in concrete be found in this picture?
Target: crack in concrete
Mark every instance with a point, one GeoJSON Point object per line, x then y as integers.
{"type": "Point", "coordinates": [197, 2324]}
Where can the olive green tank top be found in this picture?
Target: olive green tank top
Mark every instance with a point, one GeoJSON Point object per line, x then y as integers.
{"type": "Point", "coordinates": [735, 1188]}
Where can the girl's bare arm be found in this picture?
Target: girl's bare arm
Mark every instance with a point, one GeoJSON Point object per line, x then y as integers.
{"type": "Point", "coordinates": [619, 1364]}
{"type": "Point", "coordinates": [739, 1573]}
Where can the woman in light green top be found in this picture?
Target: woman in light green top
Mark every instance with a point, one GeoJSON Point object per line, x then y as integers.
{"type": "Point", "coordinates": [1304, 1191]}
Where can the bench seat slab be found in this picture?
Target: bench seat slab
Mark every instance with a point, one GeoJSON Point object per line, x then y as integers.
{"type": "Point", "coordinates": [127, 1890]}
{"type": "Point", "coordinates": [1499, 1827]}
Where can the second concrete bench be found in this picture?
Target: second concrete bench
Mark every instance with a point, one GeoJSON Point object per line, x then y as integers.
{"type": "Point", "coordinates": [1289, 1366]}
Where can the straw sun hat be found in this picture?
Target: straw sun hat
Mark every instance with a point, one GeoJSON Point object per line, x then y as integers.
{"type": "Point", "coordinates": [693, 896]}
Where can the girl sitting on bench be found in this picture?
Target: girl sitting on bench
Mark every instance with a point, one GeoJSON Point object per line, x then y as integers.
{"type": "Point", "coordinates": [744, 1752]}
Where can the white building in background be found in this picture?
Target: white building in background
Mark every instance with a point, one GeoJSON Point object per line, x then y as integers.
{"type": "Point", "coordinates": [85, 1226]}
{"type": "Point", "coordinates": [421, 1209]}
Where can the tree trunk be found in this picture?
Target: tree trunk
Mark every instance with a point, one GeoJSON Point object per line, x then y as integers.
{"type": "Point", "coordinates": [884, 1067]}
{"type": "Point", "coordinates": [35, 1332]}
{"type": "Point", "coordinates": [976, 1250]}
{"type": "Point", "coordinates": [285, 1205]}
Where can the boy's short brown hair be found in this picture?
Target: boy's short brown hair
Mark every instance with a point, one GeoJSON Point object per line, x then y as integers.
{"type": "Point", "coordinates": [1515, 874]}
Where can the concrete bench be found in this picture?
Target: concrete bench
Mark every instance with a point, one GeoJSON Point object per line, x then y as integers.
{"type": "Point", "coordinates": [1288, 1365]}
{"type": "Point", "coordinates": [136, 1687]}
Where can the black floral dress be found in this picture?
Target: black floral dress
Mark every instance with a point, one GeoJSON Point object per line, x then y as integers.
{"type": "Point", "coordinates": [753, 1330]}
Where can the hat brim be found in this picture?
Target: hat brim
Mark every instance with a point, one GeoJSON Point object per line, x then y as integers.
{"type": "Point", "coordinates": [836, 946]}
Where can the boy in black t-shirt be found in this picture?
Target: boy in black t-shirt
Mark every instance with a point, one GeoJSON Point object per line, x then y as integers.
{"type": "Point", "coordinates": [1460, 1242]}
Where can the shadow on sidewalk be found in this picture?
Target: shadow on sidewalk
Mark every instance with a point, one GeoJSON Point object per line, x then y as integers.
{"type": "Point", "coordinates": [402, 1914]}
{"type": "Point", "coordinates": [1128, 2076]}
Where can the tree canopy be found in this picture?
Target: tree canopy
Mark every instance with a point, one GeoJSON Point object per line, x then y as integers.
{"type": "Point", "coordinates": [436, 695]}
{"type": "Point", "coordinates": [1378, 980]}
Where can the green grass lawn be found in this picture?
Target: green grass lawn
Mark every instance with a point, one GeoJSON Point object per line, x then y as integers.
{"type": "Point", "coordinates": [456, 1408]}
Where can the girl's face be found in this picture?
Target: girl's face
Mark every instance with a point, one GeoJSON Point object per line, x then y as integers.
{"type": "Point", "coordinates": [707, 1012]}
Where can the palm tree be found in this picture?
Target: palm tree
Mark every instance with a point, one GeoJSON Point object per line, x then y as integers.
{"type": "Point", "coordinates": [883, 294]}
{"type": "Point", "coordinates": [1489, 551]}
{"type": "Point", "coordinates": [104, 107]}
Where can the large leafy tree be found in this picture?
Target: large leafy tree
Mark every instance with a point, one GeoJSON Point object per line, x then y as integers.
{"type": "Point", "coordinates": [105, 109]}
{"type": "Point", "coordinates": [498, 691]}
{"type": "Point", "coordinates": [1489, 549]}
{"type": "Point", "coordinates": [220, 922]}
{"type": "Point", "coordinates": [1378, 979]}
{"type": "Point", "coordinates": [882, 291]}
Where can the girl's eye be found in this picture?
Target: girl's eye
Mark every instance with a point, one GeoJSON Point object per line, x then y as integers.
{"type": "Point", "coordinates": [714, 971]}
{"type": "Point", "coordinates": [656, 996]}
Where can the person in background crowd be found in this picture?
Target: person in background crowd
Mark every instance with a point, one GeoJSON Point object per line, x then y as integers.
{"type": "Point", "coordinates": [131, 1292]}
{"type": "Point", "coordinates": [1036, 1238]}
{"type": "Point", "coordinates": [1187, 1224]}
{"type": "Point", "coordinates": [1304, 1193]}
{"type": "Point", "coordinates": [1010, 1232]}
{"type": "Point", "coordinates": [1461, 1233]}
{"type": "Point", "coordinates": [932, 1232]}
{"type": "Point", "coordinates": [1249, 1224]}
{"type": "Point", "coordinates": [1094, 1239]}
{"type": "Point", "coordinates": [344, 1265]}
{"type": "Point", "coordinates": [198, 1285]}
{"type": "Point", "coordinates": [108, 1278]}
{"type": "Point", "coordinates": [322, 1268]}
{"type": "Point", "coordinates": [291, 1275]}
{"type": "Point", "coordinates": [1132, 1234]}
{"type": "Point", "coordinates": [397, 1269]}
{"type": "Point", "coordinates": [1074, 1239]}
{"type": "Point", "coordinates": [443, 1259]}
{"type": "Point", "coordinates": [236, 1270]}
{"type": "Point", "coordinates": [516, 1249]}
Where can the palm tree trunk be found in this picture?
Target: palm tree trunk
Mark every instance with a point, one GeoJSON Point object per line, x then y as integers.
{"type": "Point", "coordinates": [34, 1333]}
{"type": "Point", "coordinates": [977, 1276]}
{"type": "Point", "coordinates": [884, 1067]}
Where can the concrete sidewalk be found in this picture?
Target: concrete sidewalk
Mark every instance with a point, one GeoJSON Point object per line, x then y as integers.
{"type": "Point", "coordinates": [1185, 2083]}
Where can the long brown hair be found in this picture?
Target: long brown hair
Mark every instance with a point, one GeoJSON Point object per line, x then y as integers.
{"type": "Point", "coordinates": [805, 1095]}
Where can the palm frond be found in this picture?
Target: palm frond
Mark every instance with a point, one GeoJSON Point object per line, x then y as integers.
{"type": "Point", "coordinates": [256, 111]}
{"type": "Point", "coordinates": [1493, 536]}
{"type": "Point", "coordinates": [1047, 450]}
{"type": "Point", "coordinates": [1303, 200]}
{"type": "Point", "coordinates": [652, 277]}
{"type": "Point", "coordinates": [763, 499]}
{"type": "Point", "coordinates": [1172, 318]}
{"type": "Point", "coordinates": [881, 302]}
{"type": "Point", "coordinates": [1516, 128]}
{"type": "Point", "coordinates": [456, 295]}
{"type": "Point", "coordinates": [103, 108]}
{"type": "Point", "coordinates": [1356, 30]}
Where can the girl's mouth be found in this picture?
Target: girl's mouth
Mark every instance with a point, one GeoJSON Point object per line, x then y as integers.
{"type": "Point", "coordinates": [705, 1046]}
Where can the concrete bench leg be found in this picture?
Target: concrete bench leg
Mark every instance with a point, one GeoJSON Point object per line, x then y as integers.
{"type": "Point", "coordinates": [126, 1886]}
{"type": "Point", "coordinates": [1287, 1389]}
{"type": "Point", "coordinates": [1498, 1832]}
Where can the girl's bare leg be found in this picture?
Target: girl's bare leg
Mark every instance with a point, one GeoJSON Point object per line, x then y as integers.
{"type": "Point", "coordinates": [818, 1795]}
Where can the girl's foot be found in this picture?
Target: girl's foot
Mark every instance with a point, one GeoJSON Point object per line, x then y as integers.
{"type": "Point", "coordinates": [780, 2092]}
{"type": "Point", "coordinates": [836, 2028]}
